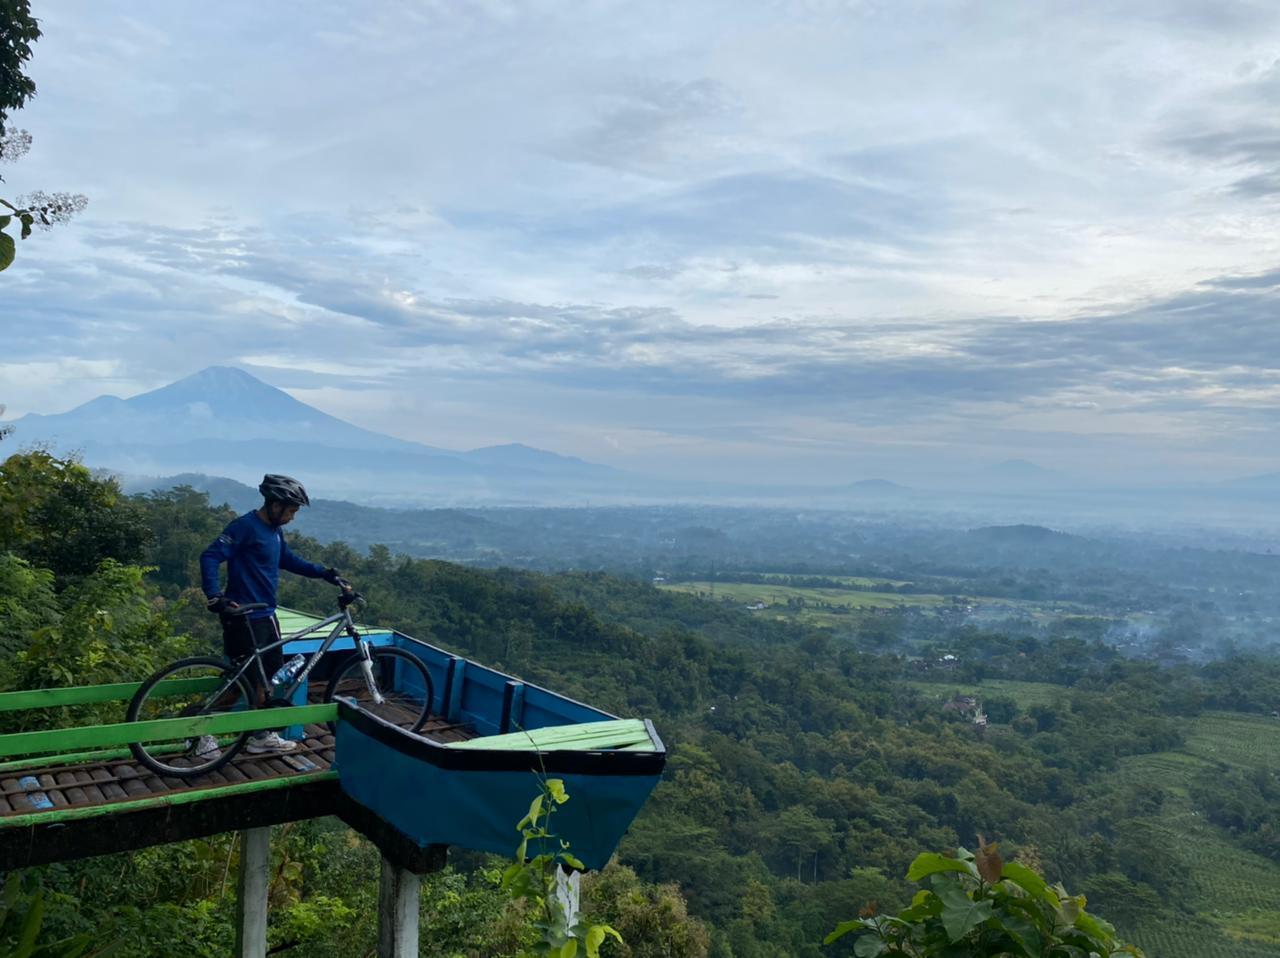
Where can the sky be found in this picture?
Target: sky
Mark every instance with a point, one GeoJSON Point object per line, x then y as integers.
{"type": "Point", "coordinates": [784, 240]}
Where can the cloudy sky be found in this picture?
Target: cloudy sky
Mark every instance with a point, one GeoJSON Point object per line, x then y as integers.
{"type": "Point", "coordinates": [784, 239]}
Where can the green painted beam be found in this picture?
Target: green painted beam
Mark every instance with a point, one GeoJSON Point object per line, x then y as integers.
{"type": "Point", "coordinates": [71, 758]}
{"type": "Point", "coordinates": [584, 736]}
{"type": "Point", "coordinates": [89, 694]}
{"type": "Point", "coordinates": [158, 730]}
{"type": "Point", "coordinates": [174, 798]}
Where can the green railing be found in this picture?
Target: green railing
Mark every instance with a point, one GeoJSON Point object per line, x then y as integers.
{"type": "Point", "coordinates": [102, 743]}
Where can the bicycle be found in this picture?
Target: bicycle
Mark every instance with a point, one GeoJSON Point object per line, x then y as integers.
{"type": "Point", "coordinates": [206, 685]}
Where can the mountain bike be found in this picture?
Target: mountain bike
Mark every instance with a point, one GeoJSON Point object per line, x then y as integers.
{"type": "Point", "coordinates": [388, 681]}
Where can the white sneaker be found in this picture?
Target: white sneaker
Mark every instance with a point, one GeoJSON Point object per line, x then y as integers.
{"type": "Point", "coordinates": [269, 742]}
{"type": "Point", "coordinates": [207, 749]}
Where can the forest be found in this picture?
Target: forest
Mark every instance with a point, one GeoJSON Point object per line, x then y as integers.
{"type": "Point", "coordinates": [809, 767]}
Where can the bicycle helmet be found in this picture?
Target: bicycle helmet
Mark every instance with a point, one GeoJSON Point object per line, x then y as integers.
{"type": "Point", "coordinates": [285, 489]}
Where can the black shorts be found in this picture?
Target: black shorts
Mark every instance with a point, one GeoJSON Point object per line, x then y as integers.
{"type": "Point", "coordinates": [241, 634]}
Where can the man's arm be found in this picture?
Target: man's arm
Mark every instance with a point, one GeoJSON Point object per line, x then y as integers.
{"type": "Point", "coordinates": [299, 566]}
{"type": "Point", "coordinates": [220, 550]}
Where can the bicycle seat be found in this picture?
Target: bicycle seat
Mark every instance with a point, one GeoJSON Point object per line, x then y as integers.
{"type": "Point", "coordinates": [248, 607]}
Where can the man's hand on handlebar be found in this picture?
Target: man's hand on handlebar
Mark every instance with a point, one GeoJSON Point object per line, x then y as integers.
{"type": "Point", "coordinates": [334, 576]}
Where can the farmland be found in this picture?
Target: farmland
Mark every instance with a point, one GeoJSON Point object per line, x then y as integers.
{"type": "Point", "coordinates": [1026, 694]}
{"type": "Point", "coordinates": [831, 606]}
{"type": "Point", "coordinates": [1217, 870]}
{"type": "Point", "coordinates": [783, 599]}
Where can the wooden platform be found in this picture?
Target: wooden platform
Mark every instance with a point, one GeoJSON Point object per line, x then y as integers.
{"type": "Point", "coordinates": [89, 784]}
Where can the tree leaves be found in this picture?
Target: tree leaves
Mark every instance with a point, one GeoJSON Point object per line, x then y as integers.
{"type": "Point", "coordinates": [960, 913]}
{"type": "Point", "coordinates": [977, 906]}
{"type": "Point", "coordinates": [596, 935]}
{"type": "Point", "coordinates": [931, 863]}
{"type": "Point", "coordinates": [7, 251]}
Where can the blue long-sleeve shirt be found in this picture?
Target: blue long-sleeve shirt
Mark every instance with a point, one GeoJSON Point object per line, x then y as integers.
{"type": "Point", "coordinates": [254, 552]}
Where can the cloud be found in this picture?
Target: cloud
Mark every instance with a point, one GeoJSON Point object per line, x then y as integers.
{"type": "Point", "coordinates": [652, 126]}
{"type": "Point", "coordinates": [243, 299]}
{"type": "Point", "coordinates": [826, 223]}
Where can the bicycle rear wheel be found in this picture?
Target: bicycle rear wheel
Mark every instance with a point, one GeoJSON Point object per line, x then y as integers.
{"type": "Point", "coordinates": [185, 689]}
{"type": "Point", "coordinates": [400, 678]}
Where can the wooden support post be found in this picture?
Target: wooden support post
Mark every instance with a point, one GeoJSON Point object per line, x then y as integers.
{"type": "Point", "coordinates": [251, 908]}
{"type": "Point", "coordinates": [398, 893]}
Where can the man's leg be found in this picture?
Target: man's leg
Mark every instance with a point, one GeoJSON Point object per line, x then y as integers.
{"type": "Point", "coordinates": [266, 631]}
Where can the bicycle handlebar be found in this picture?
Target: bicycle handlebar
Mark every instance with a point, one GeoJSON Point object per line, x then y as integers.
{"type": "Point", "coordinates": [346, 597]}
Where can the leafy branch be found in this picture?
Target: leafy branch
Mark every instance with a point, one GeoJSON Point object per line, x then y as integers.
{"type": "Point", "coordinates": [18, 31]}
{"type": "Point", "coordinates": [38, 210]}
{"type": "Point", "coordinates": [980, 906]}
{"type": "Point", "coordinates": [547, 886]}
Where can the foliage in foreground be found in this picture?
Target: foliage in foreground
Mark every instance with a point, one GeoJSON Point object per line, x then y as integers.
{"type": "Point", "coordinates": [543, 883]}
{"type": "Point", "coordinates": [21, 923]}
{"type": "Point", "coordinates": [978, 906]}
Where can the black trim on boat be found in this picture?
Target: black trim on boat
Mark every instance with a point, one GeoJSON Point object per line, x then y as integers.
{"type": "Point", "coordinates": [563, 761]}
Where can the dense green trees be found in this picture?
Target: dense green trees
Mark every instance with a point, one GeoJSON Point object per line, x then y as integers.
{"type": "Point", "coordinates": [804, 772]}
{"type": "Point", "coordinates": [57, 515]}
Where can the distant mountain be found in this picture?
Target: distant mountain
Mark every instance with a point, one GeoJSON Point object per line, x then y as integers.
{"type": "Point", "coordinates": [225, 421]}
{"type": "Point", "coordinates": [877, 487]}
{"type": "Point", "coordinates": [221, 491]}
{"type": "Point", "coordinates": [520, 456]}
{"type": "Point", "coordinates": [418, 531]}
{"type": "Point", "coordinates": [1265, 484]}
{"type": "Point", "coordinates": [1020, 534]}
{"type": "Point", "coordinates": [217, 403]}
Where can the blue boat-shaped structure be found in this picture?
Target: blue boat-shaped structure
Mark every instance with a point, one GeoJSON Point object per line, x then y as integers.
{"type": "Point", "coordinates": [469, 775]}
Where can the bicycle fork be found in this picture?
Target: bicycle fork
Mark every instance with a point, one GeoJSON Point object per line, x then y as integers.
{"type": "Point", "coordinates": [366, 666]}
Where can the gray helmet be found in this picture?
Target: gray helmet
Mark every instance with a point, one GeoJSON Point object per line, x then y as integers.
{"type": "Point", "coordinates": [283, 489]}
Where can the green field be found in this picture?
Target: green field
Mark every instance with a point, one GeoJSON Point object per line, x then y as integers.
{"type": "Point", "coordinates": [852, 580]}
{"type": "Point", "coordinates": [775, 596]}
{"type": "Point", "coordinates": [834, 607]}
{"type": "Point", "coordinates": [1026, 694]}
{"type": "Point", "coordinates": [1219, 871]}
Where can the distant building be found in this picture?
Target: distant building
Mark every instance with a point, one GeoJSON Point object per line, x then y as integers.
{"type": "Point", "coordinates": [964, 704]}
{"type": "Point", "coordinates": [969, 707]}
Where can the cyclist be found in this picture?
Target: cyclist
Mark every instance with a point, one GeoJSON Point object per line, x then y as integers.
{"type": "Point", "coordinates": [254, 550]}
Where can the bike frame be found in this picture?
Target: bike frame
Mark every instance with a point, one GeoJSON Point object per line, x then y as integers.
{"type": "Point", "coordinates": [341, 622]}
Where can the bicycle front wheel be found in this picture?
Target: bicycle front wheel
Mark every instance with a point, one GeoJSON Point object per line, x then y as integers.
{"type": "Point", "coordinates": [186, 689]}
{"type": "Point", "coordinates": [400, 679]}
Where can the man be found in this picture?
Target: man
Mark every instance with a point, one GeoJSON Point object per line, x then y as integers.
{"type": "Point", "coordinates": [254, 550]}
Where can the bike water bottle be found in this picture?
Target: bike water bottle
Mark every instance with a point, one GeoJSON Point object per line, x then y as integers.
{"type": "Point", "coordinates": [287, 671]}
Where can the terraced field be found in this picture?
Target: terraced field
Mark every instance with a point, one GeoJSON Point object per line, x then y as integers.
{"type": "Point", "coordinates": [1219, 871]}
